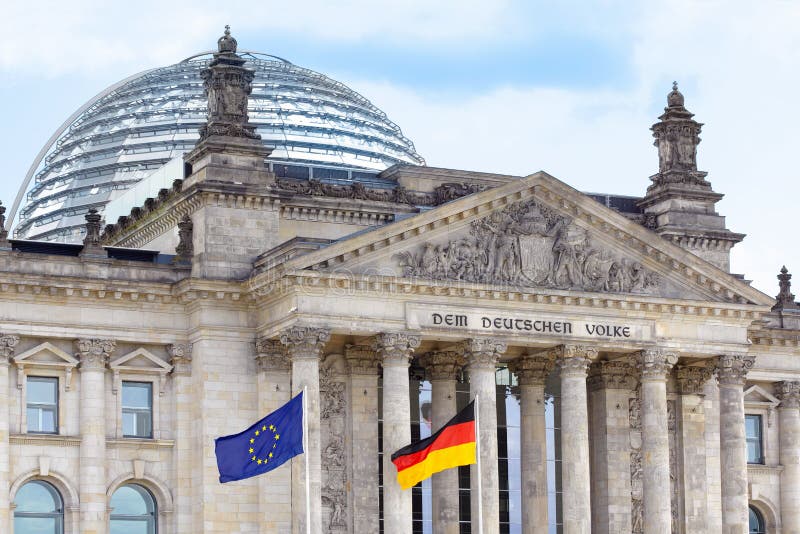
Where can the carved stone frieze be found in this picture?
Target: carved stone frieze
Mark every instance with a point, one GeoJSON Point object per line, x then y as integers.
{"type": "Point", "coordinates": [614, 374]}
{"type": "Point", "coordinates": [672, 428]}
{"type": "Point", "coordinates": [483, 353]}
{"type": "Point", "coordinates": [529, 244]}
{"type": "Point", "coordinates": [181, 354]}
{"type": "Point", "coordinates": [655, 364]}
{"type": "Point", "coordinates": [7, 344]}
{"type": "Point", "coordinates": [333, 412]}
{"type": "Point", "coordinates": [635, 413]}
{"type": "Point", "coordinates": [637, 468]}
{"type": "Point", "coordinates": [442, 364]}
{"type": "Point", "coordinates": [395, 348]}
{"type": "Point", "coordinates": [733, 368]}
{"type": "Point", "coordinates": [361, 360]}
{"type": "Point", "coordinates": [271, 356]}
{"type": "Point", "coordinates": [692, 379]}
{"type": "Point", "coordinates": [304, 342]}
{"type": "Point", "coordinates": [533, 369]}
{"type": "Point", "coordinates": [94, 353]}
{"type": "Point", "coordinates": [789, 393]}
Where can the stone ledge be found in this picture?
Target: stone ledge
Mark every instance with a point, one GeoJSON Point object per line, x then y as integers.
{"type": "Point", "coordinates": [53, 440]}
{"type": "Point", "coordinates": [139, 443]}
{"type": "Point", "coordinates": [764, 470]}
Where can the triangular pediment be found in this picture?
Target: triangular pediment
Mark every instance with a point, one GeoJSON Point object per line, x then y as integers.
{"type": "Point", "coordinates": [46, 355]}
{"type": "Point", "coordinates": [758, 395]}
{"type": "Point", "coordinates": [536, 232]}
{"type": "Point", "coordinates": [141, 360]}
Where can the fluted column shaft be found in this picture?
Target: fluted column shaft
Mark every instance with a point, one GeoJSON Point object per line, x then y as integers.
{"type": "Point", "coordinates": [482, 356]}
{"type": "Point", "coordinates": [532, 371]}
{"type": "Point", "coordinates": [395, 350]}
{"type": "Point", "coordinates": [7, 345]}
{"type": "Point", "coordinates": [441, 368]}
{"type": "Point", "coordinates": [575, 476]}
{"type": "Point", "coordinates": [654, 365]}
{"type": "Point", "coordinates": [274, 379]}
{"type": "Point", "coordinates": [304, 347]}
{"type": "Point", "coordinates": [789, 417]}
{"type": "Point", "coordinates": [733, 443]}
{"type": "Point", "coordinates": [93, 355]}
{"type": "Point", "coordinates": [185, 438]}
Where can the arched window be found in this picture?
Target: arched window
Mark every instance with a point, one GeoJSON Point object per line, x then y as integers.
{"type": "Point", "coordinates": [757, 522]}
{"type": "Point", "coordinates": [133, 511]}
{"type": "Point", "coordinates": [39, 509]}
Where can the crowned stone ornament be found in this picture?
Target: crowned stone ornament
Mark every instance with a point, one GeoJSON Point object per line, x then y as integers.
{"type": "Point", "coordinates": [529, 244]}
{"type": "Point", "coordinates": [91, 243]}
{"type": "Point", "coordinates": [785, 298]}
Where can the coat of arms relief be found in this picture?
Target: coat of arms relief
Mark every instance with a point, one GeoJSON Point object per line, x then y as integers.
{"type": "Point", "coordinates": [529, 244]}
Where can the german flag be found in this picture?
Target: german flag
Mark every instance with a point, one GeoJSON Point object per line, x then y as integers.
{"type": "Point", "coordinates": [451, 446]}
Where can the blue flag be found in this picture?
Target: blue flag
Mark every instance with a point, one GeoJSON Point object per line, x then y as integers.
{"type": "Point", "coordinates": [264, 446]}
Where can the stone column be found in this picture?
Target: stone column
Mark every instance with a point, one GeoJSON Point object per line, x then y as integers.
{"type": "Point", "coordinates": [532, 371]}
{"type": "Point", "coordinates": [611, 384]}
{"type": "Point", "coordinates": [441, 367]}
{"type": "Point", "coordinates": [713, 479]}
{"type": "Point", "coordinates": [732, 371]}
{"type": "Point", "coordinates": [7, 345]}
{"type": "Point", "coordinates": [362, 362]}
{"type": "Point", "coordinates": [184, 435]}
{"type": "Point", "coordinates": [482, 356]}
{"type": "Point", "coordinates": [575, 476]}
{"type": "Point", "coordinates": [789, 414]}
{"type": "Point", "coordinates": [655, 365]}
{"type": "Point", "coordinates": [93, 355]}
{"type": "Point", "coordinates": [304, 347]}
{"type": "Point", "coordinates": [394, 351]}
{"type": "Point", "coordinates": [274, 390]}
{"type": "Point", "coordinates": [692, 435]}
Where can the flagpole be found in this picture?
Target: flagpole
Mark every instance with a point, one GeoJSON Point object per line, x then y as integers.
{"type": "Point", "coordinates": [307, 456]}
{"type": "Point", "coordinates": [478, 462]}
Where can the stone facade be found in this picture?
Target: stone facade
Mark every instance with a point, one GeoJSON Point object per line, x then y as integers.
{"type": "Point", "coordinates": [649, 351]}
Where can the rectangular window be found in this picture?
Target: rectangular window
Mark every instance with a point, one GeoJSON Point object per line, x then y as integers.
{"type": "Point", "coordinates": [755, 444]}
{"type": "Point", "coordinates": [42, 404]}
{"type": "Point", "coordinates": [137, 409]}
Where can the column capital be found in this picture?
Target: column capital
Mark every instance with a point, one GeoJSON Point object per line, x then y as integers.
{"type": "Point", "coordinates": [732, 368]}
{"type": "Point", "coordinates": [181, 354]}
{"type": "Point", "coordinates": [395, 348]}
{"type": "Point", "coordinates": [7, 344]}
{"type": "Point", "coordinates": [574, 360]}
{"type": "Point", "coordinates": [692, 379]}
{"type": "Point", "coordinates": [613, 374]}
{"type": "Point", "coordinates": [442, 364]}
{"type": "Point", "coordinates": [361, 360]}
{"type": "Point", "coordinates": [304, 342]}
{"type": "Point", "coordinates": [532, 369]}
{"type": "Point", "coordinates": [789, 393]}
{"type": "Point", "coordinates": [483, 353]}
{"type": "Point", "coordinates": [655, 363]}
{"type": "Point", "coordinates": [94, 353]}
{"type": "Point", "coordinates": [271, 355]}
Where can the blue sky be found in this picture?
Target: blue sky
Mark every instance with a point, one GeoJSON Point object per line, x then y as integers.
{"type": "Point", "coordinates": [568, 87]}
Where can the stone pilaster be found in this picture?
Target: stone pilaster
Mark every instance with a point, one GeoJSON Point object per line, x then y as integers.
{"type": "Point", "coordinates": [789, 414]}
{"type": "Point", "coordinates": [362, 363]}
{"type": "Point", "coordinates": [394, 351]}
{"type": "Point", "coordinates": [304, 348]}
{"type": "Point", "coordinates": [532, 371]}
{"type": "Point", "coordinates": [274, 390]}
{"type": "Point", "coordinates": [732, 371]}
{"type": "Point", "coordinates": [93, 355]}
{"type": "Point", "coordinates": [611, 384]}
{"type": "Point", "coordinates": [654, 366]}
{"type": "Point", "coordinates": [712, 435]}
{"type": "Point", "coordinates": [482, 356]}
{"type": "Point", "coordinates": [7, 345]}
{"type": "Point", "coordinates": [185, 438]}
{"type": "Point", "coordinates": [441, 368]}
{"type": "Point", "coordinates": [575, 477]}
{"type": "Point", "coordinates": [692, 430]}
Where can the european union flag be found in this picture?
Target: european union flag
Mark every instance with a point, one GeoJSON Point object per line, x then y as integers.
{"type": "Point", "coordinates": [264, 446]}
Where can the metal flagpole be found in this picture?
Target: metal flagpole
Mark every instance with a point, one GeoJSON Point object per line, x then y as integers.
{"type": "Point", "coordinates": [307, 456]}
{"type": "Point", "coordinates": [478, 462]}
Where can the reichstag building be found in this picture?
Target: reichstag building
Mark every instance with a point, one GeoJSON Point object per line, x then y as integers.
{"type": "Point", "coordinates": [202, 241]}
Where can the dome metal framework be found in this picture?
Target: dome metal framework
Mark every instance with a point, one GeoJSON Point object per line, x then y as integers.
{"type": "Point", "coordinates": [132, 128]}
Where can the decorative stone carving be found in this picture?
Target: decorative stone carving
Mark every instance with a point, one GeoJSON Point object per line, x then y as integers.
{"type": "Point", "coordinates": [395, 348]}
{"type": "Point", "coordinates": [733, 368]}
{"type": "Point", "coordinates": [333, 410]}
{"type": "Point", "coordinates": [361, 360]}
{"type": "Point", "coordinates": [304, 342]}
{"type": "Point", "coordinates": [271, 355]}
{"type": "Point", "coordinates": [637, 468]}
{"type": "Point", "coordinates": [451, 191]}
{"type": "Point", "coordinates": [91, 243]}
{"type": "Point", "coordinates": [483, 353]}
{"type": "Point", "coordinates": [181, 358]}
{"type": "Point", "coordinates": [655, 364]}
{"type": "Point", "coordinates": [185, 248]}
{"type": "Point", "coordinates": [3, 232]}
{"type": "Point", "coordinates": [94, 353]}
{"type": "Point", "coordinates": [534, 368]}
{"type": "Point", "coordinates": [7, 344]}
{"type": "Point", "coordinates": [614, 374]}
{"type": "Point", "coordinates": [789, 393]}
{"type": "Point", "coordinates": [442, 364]}
{"type": "Point", "coordinates": [785, 298]}
{"type": "Point", "coordinates": [692, 379]}
{"type": "Point", "coordinates": [672, 428]}
{"type": "Point", "coordinates": [355, 191]}
{"type": "Point", "coordinates": [574, 360]}
{"type": "Point", "coordinates": [529, 244]}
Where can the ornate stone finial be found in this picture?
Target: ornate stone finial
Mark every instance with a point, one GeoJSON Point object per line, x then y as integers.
{"type": "Point", "coordinates": [3, 232]}
{"type": "Point", "coordinates": [613, 374]}
{"type": "Point", "coordinates": [692, 379]}
{"type": "Point", "coordinates": [395, 348]}
{"type": "Point", "coordinates": [271, 355]}
{"type": "Point", "coordinates": [305, 342]}
{"type": "Point", "coordinates": [732, 368]}
{"type": "Point", "coordinates": [442, 364]}
{"type": "Point", "coordinates": [181, 354]}
{"type": "Point", "coordinates": [785, 298]}
{"type": "Point", "coordinates": [227, 44]}
{"type": "Point", "coordinates": [94, 353]}
{"type": "Point", "coordinates": [533, 369]}
{"type": "Point", "coordinates": [655, 364]}
{"type": "Point", "coordinates": [483, 353]}
{"type": "Point", "coordinates": [789, 393]}
{"type": "Point", "coordinates": [7, 344]}
{"type": "Point", "coordinates": [91, 243]}
{"type": "Point", "coordinates": [185, 248]}
{"type": "Point", "coordinates": [361, 360]}
{"type": "Point", "coordinates": [675, 98]}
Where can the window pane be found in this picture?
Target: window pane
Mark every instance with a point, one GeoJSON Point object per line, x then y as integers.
{"type": "Point", "coordinates": [37, 497]}
{"type": "Point", "coordinates": [136, 394]}
{"type": "Point", "coordinates": [48, 420]}
{"type": "Point", "coordinates": [143, 426]}
{"type": "Point", "coordinates": [122, 526]}
{"type": "Point", "coordinates": [41, 390]}
{"type": "Point", "coordinates": [36, 525]}
{"type": "Point", "coordinates": [33, 420]}
{"type": "Point", "coordinates": [129, 500]}
{"type": "Point", "coordinates": [753, 426]}
{"type": "Point", "coordinates": [128, 424]}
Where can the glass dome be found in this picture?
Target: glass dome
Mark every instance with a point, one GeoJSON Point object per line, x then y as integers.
{"type": "Point", "coordinates": [135, 126]}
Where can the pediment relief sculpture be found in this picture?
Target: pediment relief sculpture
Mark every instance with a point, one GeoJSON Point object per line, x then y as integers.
{"type": "Point", "coordinates": [529, 244]}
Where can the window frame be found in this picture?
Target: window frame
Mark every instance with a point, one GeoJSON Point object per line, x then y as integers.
{"type": "Point", "coordinates": [761, 445]}
{"type": "Point", "coordinates": [136, 411]}
{"type": "Point", "coordinates": [56, 407]}
{"type": "Point", "coordinates": [151, 520]}
{"type": "Point", "coordinates": [760, 517]}
{"type": "Point", "coordinates": [58, 515]}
